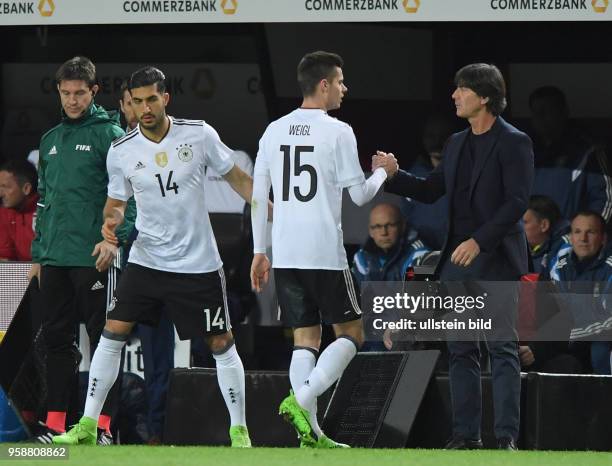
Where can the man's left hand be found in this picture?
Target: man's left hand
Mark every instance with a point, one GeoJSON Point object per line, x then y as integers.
{"type": "Point", "coordinates": [465, 253]}
{"type": "Point", "coordinates": [106, 253]}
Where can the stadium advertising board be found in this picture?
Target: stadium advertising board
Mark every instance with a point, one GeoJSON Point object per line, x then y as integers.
{"type": "Point", "coordinates": [47, 12]}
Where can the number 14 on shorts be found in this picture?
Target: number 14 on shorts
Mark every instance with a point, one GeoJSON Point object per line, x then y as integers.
{"type": "Point", "coordinates": [217, 320]}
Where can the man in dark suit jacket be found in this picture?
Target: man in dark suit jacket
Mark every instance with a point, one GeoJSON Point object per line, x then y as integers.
{"type": "Point", "coordinates": [487, 171]}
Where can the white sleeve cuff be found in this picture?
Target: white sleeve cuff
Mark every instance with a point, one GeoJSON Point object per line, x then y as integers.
{"type": "Point", "coordinates": [363, 193]}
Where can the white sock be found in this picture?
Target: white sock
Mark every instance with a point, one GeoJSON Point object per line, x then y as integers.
{"type": "Point", "coordinates": [103, 372]}
{"type": "Point", "coordinates": [230, 375]}
{"type": "Point", "coordinates": [329, 368]}
{"type": "Point", "coordinates": [302, 363]}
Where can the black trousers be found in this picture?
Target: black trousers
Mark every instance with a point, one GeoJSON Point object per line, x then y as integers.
{"type": "Point", "coordinates": [489, 274]}
{"type": "Point", "coordinates": [71, 295]}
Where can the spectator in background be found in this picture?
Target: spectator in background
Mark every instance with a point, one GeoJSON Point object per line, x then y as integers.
{"type": "Point", "coordinates": [583, 277]}
{"type": "Point", "coordinates": [570, 168]}
{"type": "Point", "coordinates": [430, 220]}
{"type": "Point", "coordinates": [72, 185]}
{"type": "Point", "coordinates": [391, 249]}
{"type": "Point", "coordinates": [546, 231]}
{"type": "Point", "coordinates": [131, 121]}
{"type": "Point", "coordinates": [125, 103]}
{"type": "Point", "coordinates": [18, 197]}
{"type": "Point", "coordinates": [545, 330]}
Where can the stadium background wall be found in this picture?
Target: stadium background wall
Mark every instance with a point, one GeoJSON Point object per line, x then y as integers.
{"type": "Point", "coordinates": [397, 73]}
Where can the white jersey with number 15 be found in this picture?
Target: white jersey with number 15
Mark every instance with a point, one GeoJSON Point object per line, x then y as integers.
{"type": "Point", "coordinates": [310, 158]}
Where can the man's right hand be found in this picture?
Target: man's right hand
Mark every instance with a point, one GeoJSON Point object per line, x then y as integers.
{"type": "Point", "coordinates": [386, 161]}
{"type": "Point", "coordinates": [388, 338]}
{"type": "Point", "coordinates": [108, 230]}
{"type": "Point", "coordinates": [260, 272]}
{"type": "Point", "coordinates": [526, 356]}
{"type": "Point", "coordinates": [34, 272]}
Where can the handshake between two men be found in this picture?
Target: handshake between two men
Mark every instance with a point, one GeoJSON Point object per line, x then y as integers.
{"type": "Point", "coordinates": [465, 253]}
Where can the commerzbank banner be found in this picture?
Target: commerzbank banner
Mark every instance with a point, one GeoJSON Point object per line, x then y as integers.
{"type": "Point", "coordinates": [42, 12]}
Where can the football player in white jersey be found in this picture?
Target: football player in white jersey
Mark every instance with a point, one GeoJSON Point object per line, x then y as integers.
{"type": "Point", "coordinates": [174, 263]}
{"type": "Point", "coordinates": [308, 158]}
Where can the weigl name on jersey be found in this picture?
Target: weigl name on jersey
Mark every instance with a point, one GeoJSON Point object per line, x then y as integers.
{"type": "Point", "coordinates": [299, 130]}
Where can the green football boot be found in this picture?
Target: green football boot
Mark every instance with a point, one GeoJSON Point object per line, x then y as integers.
{"type": "Point", "coordinates": [239, 436]}
{"type": "Point", "coordinates": [325, 442]}
{"type": "Point", "coordinates": [83, 433]}
{"type": "Point", "coordinates": [299, 418]}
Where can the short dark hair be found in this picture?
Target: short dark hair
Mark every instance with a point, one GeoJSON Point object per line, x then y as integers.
{"type": "Point", "coordinates": [147, 76]}
{"type": "Point", "coordinates": [23, 171]}
{"type": "Point", "coordinates": [314, 67]}
{"type": "Point", "coordinates": [544, 208]}
{"type": "Point", "coordinates": [124, 87]}
{"type": "Point", "coordinates": [591, 213]}
{"type": "Point", "coordinates": [486, 81]}
{"type": "Point", "coordinates": [552, 93]}
{"type": "Point", "coordinates": [77, 69]}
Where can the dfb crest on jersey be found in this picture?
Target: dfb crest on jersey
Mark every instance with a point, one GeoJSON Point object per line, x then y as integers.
{"type": "Point", "coordinates": [161, 159]}
{"type": "Point", "coordinates": [185, 153]}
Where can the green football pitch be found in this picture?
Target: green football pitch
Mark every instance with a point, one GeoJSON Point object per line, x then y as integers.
{"type": "Point", "coordinates": [218, 456]}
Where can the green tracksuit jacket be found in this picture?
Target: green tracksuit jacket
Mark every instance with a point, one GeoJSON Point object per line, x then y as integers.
{"type": "Point", "coordinates": [72, 185]}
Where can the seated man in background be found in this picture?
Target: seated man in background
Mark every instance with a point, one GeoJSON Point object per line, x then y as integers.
{"type": "Point", "coordinates": [18, 196]}
{"type": "Point", "coordinates": [583, 276]}
{"type": "Point", "coordinates": [546, 231]}
{"type": "Point", "coordinates": [391, 248]}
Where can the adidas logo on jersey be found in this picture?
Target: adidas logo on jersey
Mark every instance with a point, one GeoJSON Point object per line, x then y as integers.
{"type": "Point", "coordinates": [97, 286]}
{"type": "Point", "coordinates": [53, 151]}
{"type": "Point", "coordinates": [139, 165]}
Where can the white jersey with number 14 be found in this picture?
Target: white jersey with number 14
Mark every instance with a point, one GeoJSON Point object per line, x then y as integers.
{"type": "Point", "coordinates": [166, 179]}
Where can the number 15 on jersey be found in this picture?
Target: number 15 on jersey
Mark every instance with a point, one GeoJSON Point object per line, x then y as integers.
{"type": "Point", "coordinates": [298, 169]}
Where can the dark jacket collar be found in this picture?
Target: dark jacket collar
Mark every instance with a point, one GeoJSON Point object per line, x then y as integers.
{"type": "Point", "coordinates": [91, 110]}
{"type": "Point", "coordinates": [592, 263]}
